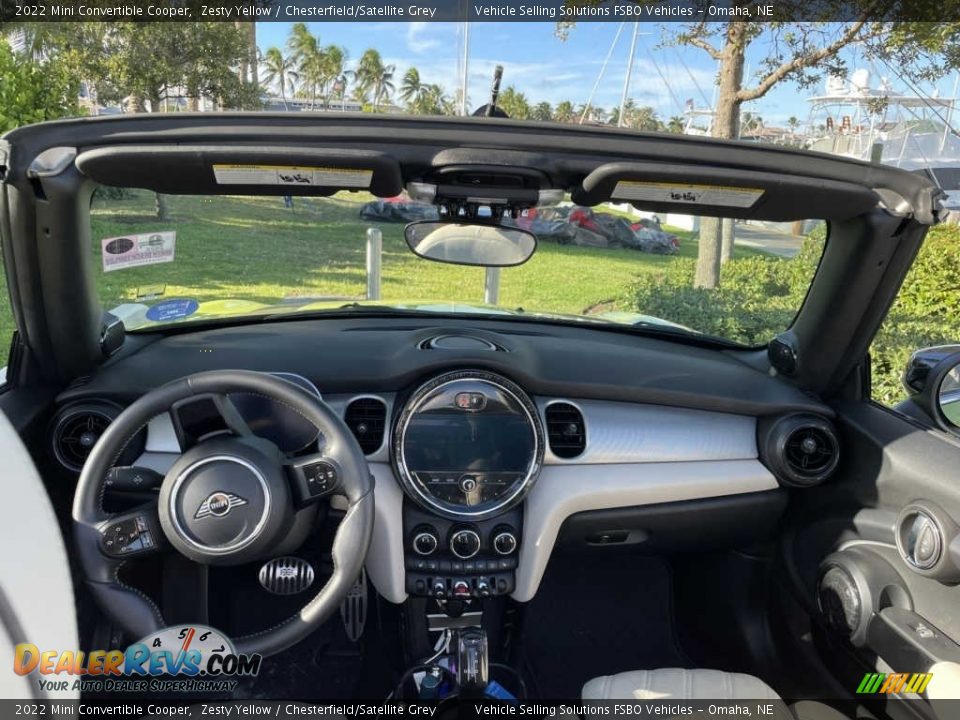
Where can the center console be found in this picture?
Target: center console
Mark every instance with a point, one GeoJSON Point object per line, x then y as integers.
{"type": "Point", "coordinates": [457, 559]}
{"type": "Point", "coordinates": [467, 447]}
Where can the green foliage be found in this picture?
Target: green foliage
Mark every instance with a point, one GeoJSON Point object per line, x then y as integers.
{"type": "Point", "coordinates": [926, 312]}
{"type": "Point", "coordinates": [759, 296]}
{"type": "Point", "coordinates": [34, 90]}
{"type": "Point", "coordinates": [155, 62]}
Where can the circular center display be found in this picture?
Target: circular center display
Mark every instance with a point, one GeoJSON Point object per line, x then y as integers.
{"type": "Point", "coordinates": [219, 504]}
{"type": "Point", "coordinates": [468, 444]}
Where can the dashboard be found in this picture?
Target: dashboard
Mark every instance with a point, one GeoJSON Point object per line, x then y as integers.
{"type": "Point", "coordinates": [491, 450]}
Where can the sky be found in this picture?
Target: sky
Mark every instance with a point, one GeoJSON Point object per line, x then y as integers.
{"type": "Point", "coordinates": [547, 69]}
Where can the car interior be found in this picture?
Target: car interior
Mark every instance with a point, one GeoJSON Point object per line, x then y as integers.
{"type": "Point", "coordinates": [570, 509]}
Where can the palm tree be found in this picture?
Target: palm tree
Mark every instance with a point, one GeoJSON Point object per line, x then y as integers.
{"type": "Point", "coordinates": [411, 89]}
{"type": "Point", "coordinates": [280, 69]}
{"type": "Point", "coordinates": [514, 103]}
{"type": "Point", "coordinates": [676, 124]}
{"type": "Point", "coordinates": [542, 111]}
{"type": "Point", "coordinates": [374, 78]}
{"type": "Point", "coordinates": [644, 118]}
{"type": "Point", "coordinates": [334, 59]}
{"type": "Point", "coordinates": [564, 112]}
{"type": "Point", "coordinates": [305, 52]}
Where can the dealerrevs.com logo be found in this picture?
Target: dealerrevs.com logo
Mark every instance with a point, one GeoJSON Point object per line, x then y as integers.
{"type": "Point", "coordinates": [184, 658]}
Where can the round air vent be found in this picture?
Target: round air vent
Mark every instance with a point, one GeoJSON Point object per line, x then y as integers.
{"type": "Point", "coordinates": [801, 450]}
{"type": "Point", "coordinates": [77, 429]}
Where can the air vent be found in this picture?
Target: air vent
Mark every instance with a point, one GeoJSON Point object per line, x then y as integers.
{"type": "Point", "coordinates": [77, 429]}
{"type": "Point", "coordinates": [801, 450]}
{"type": "Point", "coordinates": [565, 430]}
{"type": "Point", "coordinates": [367, 418]}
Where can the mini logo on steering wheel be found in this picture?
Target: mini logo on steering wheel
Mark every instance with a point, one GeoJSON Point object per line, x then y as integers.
{"type": "Point", "coordinates": [218, 505]}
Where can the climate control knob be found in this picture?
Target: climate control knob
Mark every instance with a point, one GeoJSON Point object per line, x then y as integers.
{"type": "Point", "coordinates": [504, 542]}
{"type": "Point", "coordinates": [425, 541]}
{"type": "Point", "coordinates": [465, 544]}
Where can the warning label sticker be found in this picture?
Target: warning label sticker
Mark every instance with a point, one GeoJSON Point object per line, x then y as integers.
{"type": "Point", "coordinates": [718, 195]}
{"type": "Point", "coordinates": [137, 250]}
{"type": "Point", "coordinates": [293, 175]}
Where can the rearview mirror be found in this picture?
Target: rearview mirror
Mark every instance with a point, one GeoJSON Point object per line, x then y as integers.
{"type": "Point", "coordinates": [466, 244]}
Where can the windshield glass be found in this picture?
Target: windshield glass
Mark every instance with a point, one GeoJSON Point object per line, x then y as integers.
{"type": "Point", "coordinates": [217, 257]}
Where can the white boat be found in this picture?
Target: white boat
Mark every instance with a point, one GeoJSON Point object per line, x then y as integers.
{"type": "Point", "coordinates": [908, 131]}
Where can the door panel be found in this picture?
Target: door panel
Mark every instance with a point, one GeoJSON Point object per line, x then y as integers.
{"type": "Point", "coordinates": [841, 548]}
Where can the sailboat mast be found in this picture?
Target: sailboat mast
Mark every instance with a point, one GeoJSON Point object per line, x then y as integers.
{"type": "Point", "coordinates": [626, 80]}
{"type": "Point", "coordinates": [466, 69]}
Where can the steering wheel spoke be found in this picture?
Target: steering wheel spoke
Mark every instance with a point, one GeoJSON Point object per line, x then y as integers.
{"type": "Point", "coordinates": [231, 416]}
{"type": "Point", "coordinates": [131, 534]}
{"type": "Point", "coordinates": [313, 477]}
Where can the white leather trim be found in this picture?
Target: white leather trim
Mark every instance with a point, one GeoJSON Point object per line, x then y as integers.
{"type": "Point", "coordinates": [678, 684]}
{"type": "Point", "coordinates": [34, 571]}
{"type": "Point", "coordinates": [563, 490]}
{"type": "Point", "coordinates": [384, 564]}
{"type": "Point", "coordinates": [619, 432]}
{"type": "Point", "coordinates": [945, 683]}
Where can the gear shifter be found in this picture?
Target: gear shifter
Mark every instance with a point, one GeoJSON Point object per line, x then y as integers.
{"type": "Point", "coordinates": [472, 661]}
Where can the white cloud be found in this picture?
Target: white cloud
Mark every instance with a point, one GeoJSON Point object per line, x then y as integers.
{"type": "Point", "coordinates": [417, 42]}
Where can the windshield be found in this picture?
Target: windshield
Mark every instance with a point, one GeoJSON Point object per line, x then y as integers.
{"type": "Point", "coordinates": [233, 257]}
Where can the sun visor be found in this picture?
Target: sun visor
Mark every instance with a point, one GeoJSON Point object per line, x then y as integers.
{"type": "Point", "coordinates": [723, 192]}
{"type": "Point", "coordinates": [233, 170]}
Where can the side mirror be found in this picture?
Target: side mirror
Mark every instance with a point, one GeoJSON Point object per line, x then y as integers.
{"type": "Point", "coordinates": [932, 378]}
{"type": "Point", "coordinates": [470, 244]}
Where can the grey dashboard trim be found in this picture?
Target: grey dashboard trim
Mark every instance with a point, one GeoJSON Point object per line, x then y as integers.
{"type": "Point", "coordinates": [563, 490]}
{"type": "Point", "coordinates": [161, 437]}
{"type": "Point", "coordinates": [619, 432]}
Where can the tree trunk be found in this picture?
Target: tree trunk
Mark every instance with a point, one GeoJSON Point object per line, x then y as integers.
{"type": "Point", "coordinates": [727, 238]}
{"type": "Point", "coordinates": [726, 124]}
{"type": "Point", "coordinates": [161, 206]}
{"type": "Point", "coordinates": [254, 68]}
{"type": "Point", "coordinates": [243, 71]}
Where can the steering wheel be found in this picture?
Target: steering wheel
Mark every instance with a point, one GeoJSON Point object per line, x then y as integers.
{"type": "Point", "coordinates": [231, 499]}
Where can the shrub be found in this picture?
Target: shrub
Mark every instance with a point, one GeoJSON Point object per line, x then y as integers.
{"type": "Point", "coordinates": [759, 296]}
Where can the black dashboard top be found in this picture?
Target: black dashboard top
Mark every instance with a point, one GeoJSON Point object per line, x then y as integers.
{"type": "Point", "coordinates": [379, 354]}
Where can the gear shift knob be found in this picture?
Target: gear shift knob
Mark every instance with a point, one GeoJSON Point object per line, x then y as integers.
{"type": "Point", "coordinates": [472, 661]}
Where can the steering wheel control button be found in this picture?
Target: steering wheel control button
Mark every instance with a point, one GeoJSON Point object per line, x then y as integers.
{"type": "Point", "coordinates": [425, 542]}
{"type": "Point", "coordinates": [314, 479]}
{"type": "Point", "coordinates": [286, 576]}
{"type": "Point", "coordinates": [127, 537]}
{"type": "Point", "coordinates": [465, 544]}
{"type": "Point", "coordinates": [504, 542]}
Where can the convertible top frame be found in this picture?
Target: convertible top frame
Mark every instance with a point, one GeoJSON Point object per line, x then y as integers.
{"type": "Point", "coordinates": [878, 215]}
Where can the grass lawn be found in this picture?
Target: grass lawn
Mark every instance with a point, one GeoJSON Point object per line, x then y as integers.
{"type": "Point", "coordinates": [253, 248]}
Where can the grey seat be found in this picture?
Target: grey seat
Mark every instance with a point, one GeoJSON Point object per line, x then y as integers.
{"type": "Point", "coordinates": [679, 684]}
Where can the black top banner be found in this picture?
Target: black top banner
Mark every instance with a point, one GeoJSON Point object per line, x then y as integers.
{"type": "Point", "coordinates": [657, 11]}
